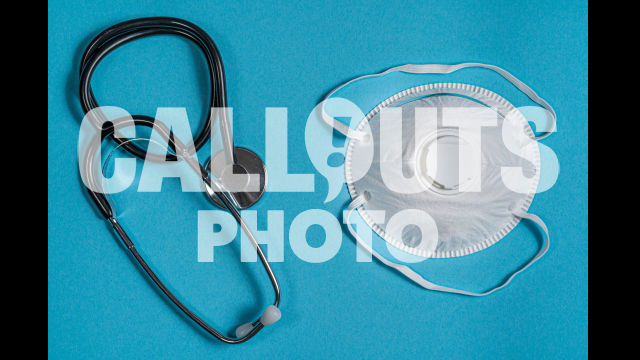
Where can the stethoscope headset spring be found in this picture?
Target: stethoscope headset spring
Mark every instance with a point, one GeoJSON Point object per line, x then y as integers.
{"type": "Point", "coordinates": [98, 48]}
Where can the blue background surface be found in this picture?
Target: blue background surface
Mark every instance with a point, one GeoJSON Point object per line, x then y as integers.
{"type": "Point", "coordinates": [290, 55]}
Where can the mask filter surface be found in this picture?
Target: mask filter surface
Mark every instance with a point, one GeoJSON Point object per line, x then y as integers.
{"type": "Point", "coordinates": [450, 177]}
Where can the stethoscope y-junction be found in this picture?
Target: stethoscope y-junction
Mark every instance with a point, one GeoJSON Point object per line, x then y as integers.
{"type": "Point", "coordinates": [240, 159]}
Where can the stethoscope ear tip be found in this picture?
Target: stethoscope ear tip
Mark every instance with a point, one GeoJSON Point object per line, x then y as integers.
{"type": "Point", "coordinates": [270, 315]}
{"type": "Point", "coordinates": [243, 330]}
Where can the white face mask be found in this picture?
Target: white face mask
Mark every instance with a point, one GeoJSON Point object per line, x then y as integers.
{"type": "Point", "coordinates": [452, 168]}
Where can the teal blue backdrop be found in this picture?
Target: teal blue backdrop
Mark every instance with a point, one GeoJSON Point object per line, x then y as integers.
{"type": "Point", "coordinates": [289, 54]}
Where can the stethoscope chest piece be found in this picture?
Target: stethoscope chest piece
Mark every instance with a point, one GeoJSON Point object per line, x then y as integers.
{"type": "Point", "coordinates": [246, 180]}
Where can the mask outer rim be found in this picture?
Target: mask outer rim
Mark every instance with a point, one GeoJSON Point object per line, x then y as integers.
{"type": "Point", "coordinates": [489, 99]}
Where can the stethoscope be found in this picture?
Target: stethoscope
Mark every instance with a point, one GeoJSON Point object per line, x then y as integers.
{"type": "Point", "coordinates": [239, 158]}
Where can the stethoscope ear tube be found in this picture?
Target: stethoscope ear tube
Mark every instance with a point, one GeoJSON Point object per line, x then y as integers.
{"type": "Point", "coordinates": [102, 203]}
{"type": "Point", "coordinates": [270, 315]}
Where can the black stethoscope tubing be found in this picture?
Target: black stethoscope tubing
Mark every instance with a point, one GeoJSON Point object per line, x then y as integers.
{"type": "Point", "coordinates": [131, 30]}
{"type": "Point", "coordinates": [99, 47]}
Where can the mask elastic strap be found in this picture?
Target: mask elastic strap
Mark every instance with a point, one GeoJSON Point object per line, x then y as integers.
{"type": "Point", "coordinates": [438, 69]}
{"type": "Point", "coordinates": [418, 279]}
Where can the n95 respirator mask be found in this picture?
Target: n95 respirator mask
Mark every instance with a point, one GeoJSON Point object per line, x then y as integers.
{"type": "Point", "coordinates": [442, 170]}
